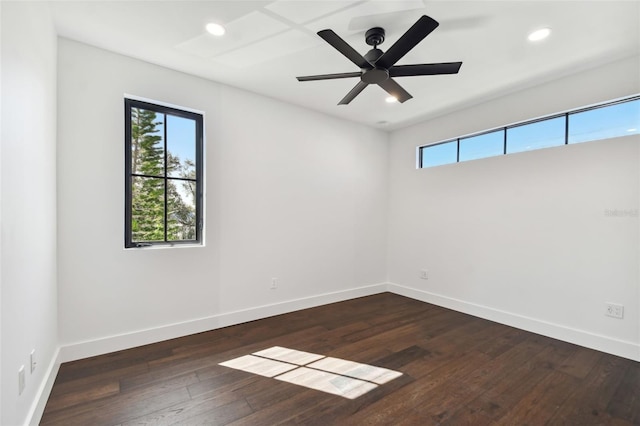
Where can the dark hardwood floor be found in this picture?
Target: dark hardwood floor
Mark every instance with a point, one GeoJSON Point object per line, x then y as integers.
{"type": "Point", "coordinates": [457, 370]}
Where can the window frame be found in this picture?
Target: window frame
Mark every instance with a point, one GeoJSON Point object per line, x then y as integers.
{"type": "Point", "coordinates": [567, 131]}
{"type": "Point", "coordinates": [488, 132]}
{"type": "Point", "coordinates": [421, 159]}
{"type": "Point", "coordinates": [534, 122]}
{"type": "Point", "coordinates": [161, 108]}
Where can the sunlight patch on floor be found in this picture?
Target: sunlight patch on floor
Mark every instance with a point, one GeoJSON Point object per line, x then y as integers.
{"type": "Point", "coordinates": [327, 374]}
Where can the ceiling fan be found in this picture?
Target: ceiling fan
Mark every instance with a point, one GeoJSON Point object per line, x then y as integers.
{"type": "Point", "coordinates": [378, 67]}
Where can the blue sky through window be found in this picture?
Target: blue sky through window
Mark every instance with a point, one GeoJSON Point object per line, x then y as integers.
{"type": "Point", "coordinates": [594, 123]}
{"type": "Point", "coordinates": [181, 139]}
{"type": "Point", "coordinates": [482, 146]}
{"type": "Point", "coordinates": [604, 123]}
{"type": "Point", "coordinates": [540, 134]}
{"type": "Point", "coordinates": [437, 155]}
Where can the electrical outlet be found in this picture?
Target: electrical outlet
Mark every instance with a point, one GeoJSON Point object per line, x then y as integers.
{"type": "Point", "coordinates": [614, 310]}
{"type": "Point", "coordinates": [424, 274]}
{"type": "Point", "coordinates": [32, 359]}
{"type": "Point", "coordinates": [274, 283]}
{"type": "Point", "coordinates": [21, 380]}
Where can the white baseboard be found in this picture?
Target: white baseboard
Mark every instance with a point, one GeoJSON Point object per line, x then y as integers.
{"type": "Point", "coordinates": [625, 349]}
{"type": "Point", "coordinates": [105, 345]}
{"type": "Point", "coordinates": [37, 408]}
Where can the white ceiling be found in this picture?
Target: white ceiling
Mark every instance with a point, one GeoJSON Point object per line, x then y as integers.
{"type": "Point", "coordinates": [269, 43]}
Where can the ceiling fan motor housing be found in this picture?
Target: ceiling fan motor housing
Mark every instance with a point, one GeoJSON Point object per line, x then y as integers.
{"type": "Point", "coordinates": [375, 75]}
{"type": "Point", "coordinates": [373, 55]}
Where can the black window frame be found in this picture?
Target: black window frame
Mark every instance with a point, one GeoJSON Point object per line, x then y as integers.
{"type": "Point", "coordinates": [199, 166]}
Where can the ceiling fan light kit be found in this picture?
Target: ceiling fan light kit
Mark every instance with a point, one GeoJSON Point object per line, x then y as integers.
{"type": "Point", "coordinates": [378, 67]}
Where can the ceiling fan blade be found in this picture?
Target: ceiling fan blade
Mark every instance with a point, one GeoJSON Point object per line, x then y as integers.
{"type": "Point", "coordinates": [330, 76]}
{"type": "Point", "coordinates": [425, 69]}
{"type": "Point", "coordinates": [414, 35]}
{"type": "Point", "coordinates": [353, 93]}
{"type": "Point", "coordinates": [395, 90]}
{"type": "Point", "coordinates": [341, 46]}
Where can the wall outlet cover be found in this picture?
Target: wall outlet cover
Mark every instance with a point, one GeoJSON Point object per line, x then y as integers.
{"type": "Point", "coordinates": [614, 310]}
{"type": "Point", "coordinates": [32, 360]}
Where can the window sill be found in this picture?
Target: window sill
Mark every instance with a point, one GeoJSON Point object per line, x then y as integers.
{"type": "Point", "coordinates": [166, 246]}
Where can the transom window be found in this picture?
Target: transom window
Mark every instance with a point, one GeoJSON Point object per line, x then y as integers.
{"type": "Point", "coordinates": [604, 121]}
{"type": "Point", "coordinates": [163, 175]}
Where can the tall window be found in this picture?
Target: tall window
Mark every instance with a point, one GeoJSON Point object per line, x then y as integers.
{"type": "Point", "coordinates": [163, 181]}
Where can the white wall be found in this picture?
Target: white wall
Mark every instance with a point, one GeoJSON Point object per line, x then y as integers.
{"type": "Point", "coordinates": [290, 194]}
{"type": "Point", "coordinates": [520, 239]}
{"type": "Point", "coordinates": [523, 239]}
{"type": "Point", "coordinates": [28, 178]}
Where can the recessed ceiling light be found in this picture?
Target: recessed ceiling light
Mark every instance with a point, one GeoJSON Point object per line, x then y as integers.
{"type": "Point", "coordinates": [540, 34]}
{"type": "Point", "coordinates": [215, 29]}
{"type": "Point", "coordinates": [391, 99]}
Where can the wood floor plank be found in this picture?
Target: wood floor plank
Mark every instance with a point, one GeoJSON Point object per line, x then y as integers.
{"type": "Point", "coordinates": [128, 404]}
{"type": "Point", "coordinates": [581, 362]}
{"type": "Point", "coordinates": [218, 415]}
{"type": "Point", "coordinates": [106, 364]}
{"type": "Point", "coordinates": [540, 404]}
{"type": "Point", "coordinates": [419, 392]}
{"type": "Point", "coordinates": [498, 401]}
{"type": "Point", "coordinates": [114, 410]}
{"type": "Point", "coordinates": [303, 401]}
{"type": "Point", "coordinates": [222, 408]}
{"type": "Point", "coordinates": [329, 413]}
{"type": "Point", "coordinates": [502, 343]}
{"type": "Point", "coordinates": [625, 403]}
{"type": "Point", "coordinates": [513, 375]}
{"type": "Point", "coordinates": [94, 393]}
{"type": "Point", "coordinates": [584, 406]}
{"type": "Point", "coordinates": [456, 370]}
{"type": "Point", "coordinates": [468, 416]}
{"type": "Point", "coordinates": [79, 380]}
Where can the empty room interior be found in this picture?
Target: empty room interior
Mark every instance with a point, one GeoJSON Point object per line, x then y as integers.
{"type": "Point", "coordinates": [320, 212]}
